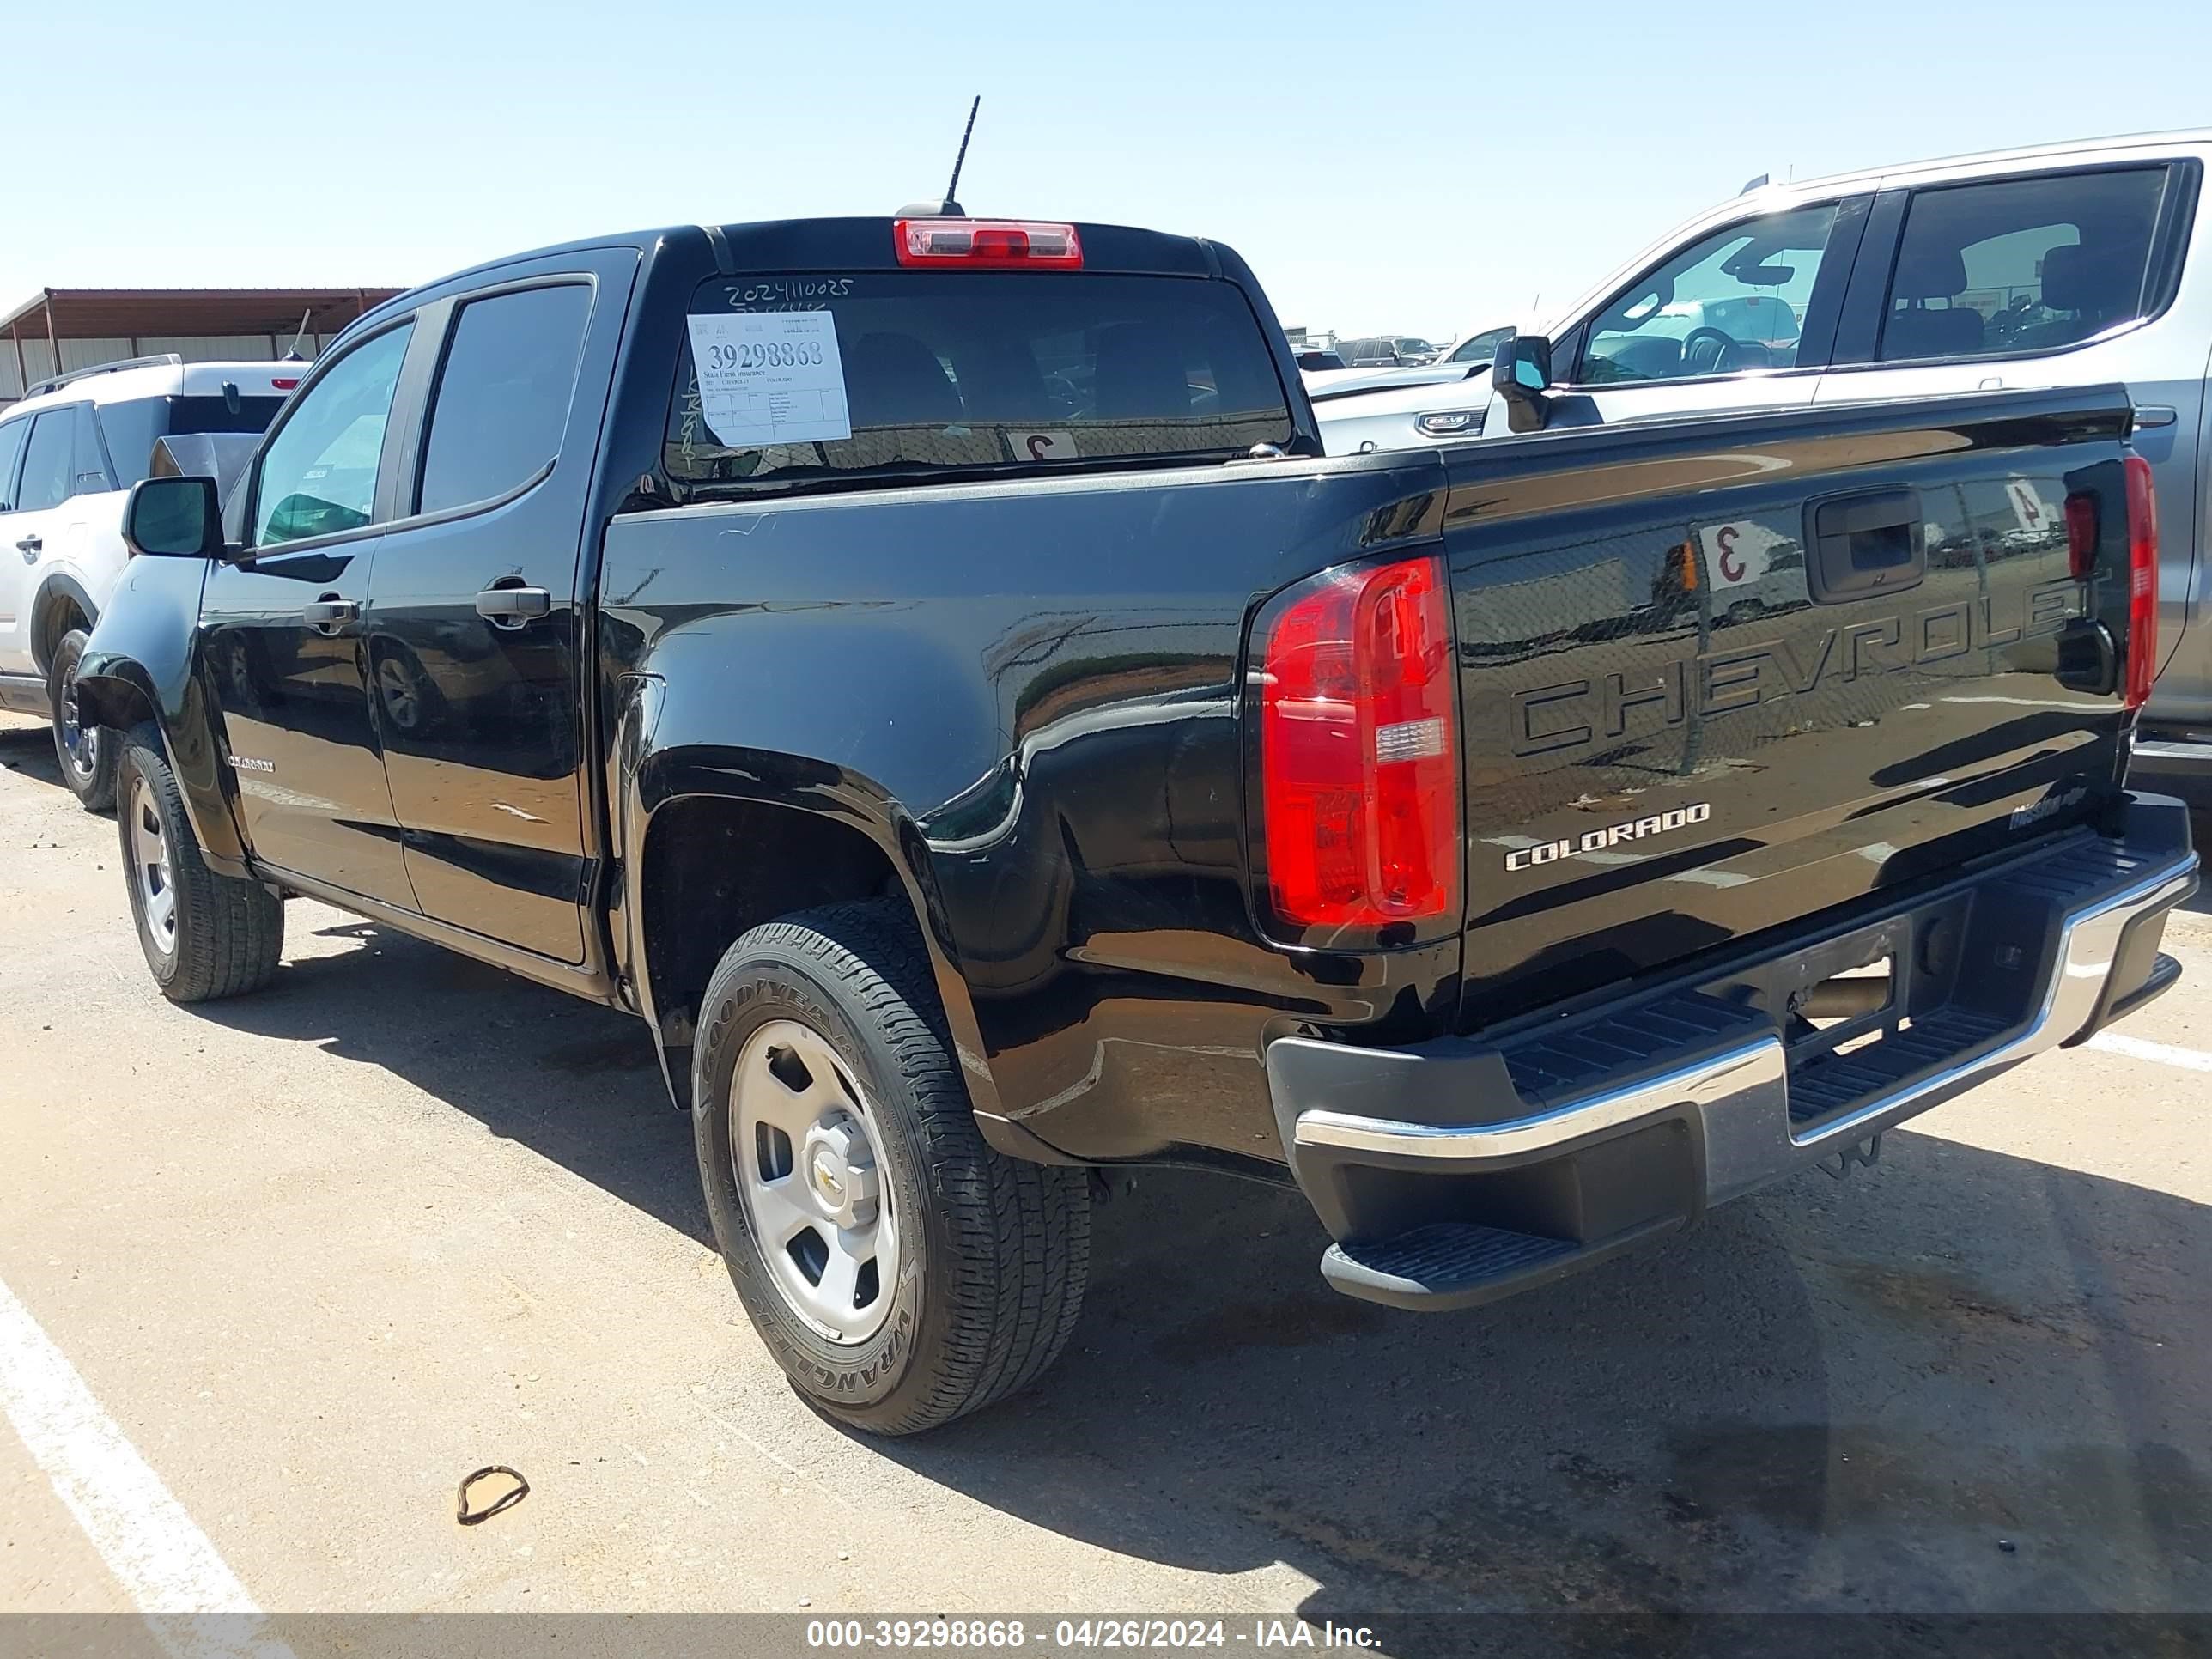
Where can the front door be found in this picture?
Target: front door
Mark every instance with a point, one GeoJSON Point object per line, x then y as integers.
{"type": "Point", "coordinates": [474, 634]}
{"type": "Point", "coordinates": [1740, 318]}
{"type": "Point", "coordinates": [281, 638]}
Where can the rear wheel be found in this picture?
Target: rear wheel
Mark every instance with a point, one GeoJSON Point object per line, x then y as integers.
{"type": "Point", "coordinates": [903, 1271]}
{"type": "Point", "coordinates": [87, 753]}
{"type": "Point", "coordinates": [204, 936]}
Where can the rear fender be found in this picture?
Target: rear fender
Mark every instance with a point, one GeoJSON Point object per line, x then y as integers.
{"type": "Point", "coordinates": [138, 666]}
{"type": "Point", "coordinates": [697, 689]}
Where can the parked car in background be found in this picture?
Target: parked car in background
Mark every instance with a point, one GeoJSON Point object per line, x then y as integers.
{"type": "Point", "coordinates": [1313, 360]}
{"type": "Point", "coordinates": [69, 452]}
{"type": "Point", "coordinates": [1470, 355]}
{"type": "Point", "coordinates": [974, 727]}
{"type": "Point", "coordinates": [1360, 417]}
{"type": "Point", "coordinates": [1443, 401]}
{"type": "Point", "coordinates": [1385, 352]}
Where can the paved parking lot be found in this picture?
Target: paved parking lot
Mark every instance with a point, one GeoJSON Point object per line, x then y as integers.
{"type": "Point", "coordinates": [318, 1253]}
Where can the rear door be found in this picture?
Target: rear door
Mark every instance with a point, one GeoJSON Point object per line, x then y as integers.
{"type": "Point", "coordinates": [474, 637]}
{"type": "Point", "coordinates": [280, 633]}
{"type": "Point", "coordinates": [1740, 318]}
{"type": "Point", "coordinates": [2066, 276]}
{"type": "Point", "coordinates": [39, 528]}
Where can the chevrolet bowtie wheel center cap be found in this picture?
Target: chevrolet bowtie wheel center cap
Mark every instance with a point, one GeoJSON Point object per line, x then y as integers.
{"type": "Point", "coordinates": [840, 1173]}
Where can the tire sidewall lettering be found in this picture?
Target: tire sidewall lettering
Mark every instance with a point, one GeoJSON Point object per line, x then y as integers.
{"type": "Point", "coordinates": [876, 1365]}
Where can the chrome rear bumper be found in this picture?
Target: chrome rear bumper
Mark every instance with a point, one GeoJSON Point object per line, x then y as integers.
{"type": "Point", "coordinates": [1367, 1131]}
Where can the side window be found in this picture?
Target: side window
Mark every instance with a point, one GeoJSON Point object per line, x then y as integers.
{"type": "Point", "coordinates": [89, 468]}
{"type": "Point", "coordinates": [318, 475]}
{"type": "Point", "coordinates": [12, 435]}
{"type": "Point", "coordinates": [2021, 265]}
{"type": "Point", "coordinates": [503, 399]}
{"type": "Point", "coordinates": [48, 460]}
{"type": "Point", "coordinates": [1733, 301]}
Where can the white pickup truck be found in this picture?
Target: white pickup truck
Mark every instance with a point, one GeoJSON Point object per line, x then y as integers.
{"type": "Point", "coordinates": [69, 452]}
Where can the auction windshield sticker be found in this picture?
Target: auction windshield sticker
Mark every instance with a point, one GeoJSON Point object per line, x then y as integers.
{"type": "Point", "coordinates": [770, 377]}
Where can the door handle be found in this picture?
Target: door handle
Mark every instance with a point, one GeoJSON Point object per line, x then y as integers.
{"type": "Point", "coordinates": [511, 607]}
{"type": "Point", "coordinates": [328, 614]}
{"type": "Point", "coordinates": [2152, 415]}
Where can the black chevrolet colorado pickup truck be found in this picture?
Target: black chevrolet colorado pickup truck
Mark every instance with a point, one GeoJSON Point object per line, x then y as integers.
{"type": "Point", "coordinates": [928, 669]}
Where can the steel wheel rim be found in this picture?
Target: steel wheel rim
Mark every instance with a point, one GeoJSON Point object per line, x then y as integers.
{"type": "Point", "coordinates": [80, 743]}
{"type": "Point", "coordinates": [810, 1171]}
{"type": "Point", "coordinates": [150, 868]}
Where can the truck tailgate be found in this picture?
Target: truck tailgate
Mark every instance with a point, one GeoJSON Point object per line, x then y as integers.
{"type": "Point", "coordinates": [1723, 675]}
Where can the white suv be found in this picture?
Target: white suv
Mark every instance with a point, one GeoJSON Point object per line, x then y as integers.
{"type": "Point", "coordinates": [69, 452]}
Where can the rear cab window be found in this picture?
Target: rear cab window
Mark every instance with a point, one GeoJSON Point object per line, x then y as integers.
{"type": "Point", "coordinates": [911, 375]}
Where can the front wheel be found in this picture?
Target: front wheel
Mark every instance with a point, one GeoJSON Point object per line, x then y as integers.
{"type": "Point", "coordinates": [902, 1272]}
{"type": "Point", "coordinates": [204, 936]}
{"type": "Point", "coordinates": [85, 752]}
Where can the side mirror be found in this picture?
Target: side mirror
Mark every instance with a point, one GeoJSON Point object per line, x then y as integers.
{"type": "Point", "coordinates": [174, 518]}
{"type": "Point", "coordinates": [1521, 373]}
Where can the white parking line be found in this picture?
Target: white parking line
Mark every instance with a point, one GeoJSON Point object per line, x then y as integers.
{"type": "Point", "coordinates": [172, 1572]}
{"type": "Point", "coordinates": [2189, 1060]}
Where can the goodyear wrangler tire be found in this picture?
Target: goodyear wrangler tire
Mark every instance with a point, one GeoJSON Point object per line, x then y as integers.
{"type": "Point", "coordinates": [204, 936]}
{"type": "Point", "coordinates": [903, 1272]}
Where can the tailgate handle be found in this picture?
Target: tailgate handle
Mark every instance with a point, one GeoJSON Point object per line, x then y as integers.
{"type": "Point", "coordinates": [1872, 543]}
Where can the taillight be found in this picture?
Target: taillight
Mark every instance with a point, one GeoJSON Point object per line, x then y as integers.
{"type": "Point", "coordinates": [2142, 582]}
{"type": "Point", "coordinates": [998, 244]}
{"type": "Point", "coordinates": [2081, 534]}
{"type": "Point", "coordinates": [283, 382]}
{"type": "Point", "coordinates": [1359, 754]}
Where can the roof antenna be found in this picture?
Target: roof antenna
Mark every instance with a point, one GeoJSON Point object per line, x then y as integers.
{"type": "Point", "coordinates": [949, 208]}
{"type": "Point", "coordinates": [292, 351]}
{"type": "Point", "coordinates": [952, 186]}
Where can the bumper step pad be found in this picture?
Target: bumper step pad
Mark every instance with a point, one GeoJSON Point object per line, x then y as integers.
{"type": "Point", "coordinates": [1626, 1116]}
{"type": "Point", "coordinates": [1459, 1264]}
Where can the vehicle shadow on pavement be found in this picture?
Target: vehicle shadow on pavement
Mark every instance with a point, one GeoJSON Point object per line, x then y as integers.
{"type": "Point", "coordinates": [1838, 1396]}
{"type": "Point", "coordinates": [29, 749]}
{"type": "Point", "coordinates": [575, 1082]}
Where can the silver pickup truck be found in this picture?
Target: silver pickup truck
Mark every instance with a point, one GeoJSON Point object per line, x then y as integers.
{"type": "Point", "coordinates": [2077, 265]}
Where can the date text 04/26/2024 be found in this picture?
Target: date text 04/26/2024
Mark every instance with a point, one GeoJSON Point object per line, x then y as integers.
{"type": "Point", "coordinates": [1084, 1634]}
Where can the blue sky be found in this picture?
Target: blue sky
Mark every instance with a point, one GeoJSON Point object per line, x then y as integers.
{"type": "Point", "coordinates": [1426, 168]}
